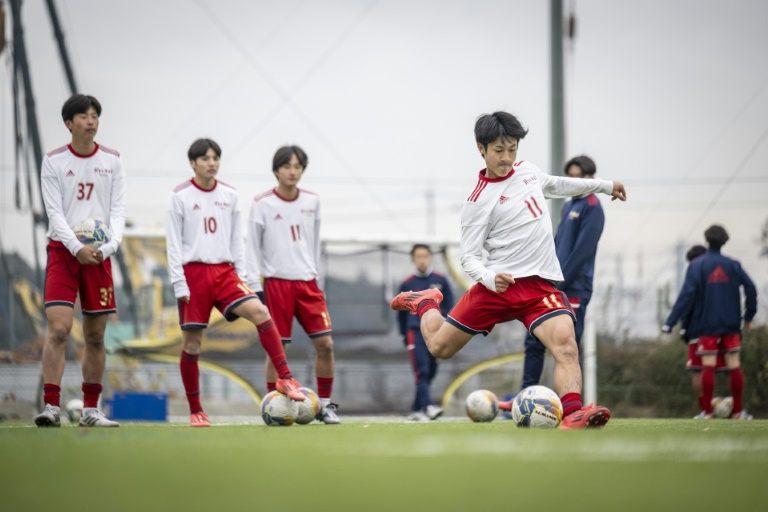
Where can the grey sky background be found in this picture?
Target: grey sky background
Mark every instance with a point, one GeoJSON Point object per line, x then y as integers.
{"type": "Point", "coordinates": [670, 97]}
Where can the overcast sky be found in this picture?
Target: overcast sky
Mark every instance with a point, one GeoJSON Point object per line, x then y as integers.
{"type": "Point", "coordinates": [670, 97]}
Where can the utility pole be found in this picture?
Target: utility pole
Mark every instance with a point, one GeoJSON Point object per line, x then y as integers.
{"type": "Point", "coordinates": [557, 97]}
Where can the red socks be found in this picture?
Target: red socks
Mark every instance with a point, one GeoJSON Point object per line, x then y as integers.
{"type": "Point", "coordinates": [190, 376]}
{"type": "Point", "coordinates": [571, 403]}
{"type": "Point", "coordinates": [324, 387]}
{"type": "Point", "coordinates": [51, 394]}
{"type": "Point", "coordinates": [708, 388]}
{"type": "Point", "coordinates": [426, 305]}
{"type": "Point", "coordinates": [91, 394]}
{"type": "Point", "coordinates": [737, 389]}
{"type": "Point", "coordinates": [271, 386]}
{"type": "Point", "coordinates": [270, 340]}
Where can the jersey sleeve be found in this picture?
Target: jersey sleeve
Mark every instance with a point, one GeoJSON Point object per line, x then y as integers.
{"type": "Point", "coordinates": [116, 211]}
{"type": "Point", "coordinates": [253, 247]}
{"type": "Point", "coordinates": [54, 207]}
{"type": "Point", "coordinates": [750, 295]}
{"type": "Point", "coordinates": [475, 226]}
{"type": "Point", "coordinates": [174, 222]}
{"type": "Point", "coordinates": [562, 186]}
{"type": "Point", "coordinates": [585, 246]}
{"type": "Point", "coordinates": [237, 243]}
{"type": "Point", "coordinates": [684, 303]}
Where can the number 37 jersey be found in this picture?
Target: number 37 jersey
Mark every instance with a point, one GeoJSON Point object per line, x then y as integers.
{"type": "Point", "coordinates": [283, 237]}
{"type": "Point", "coordinates": [203, 226]}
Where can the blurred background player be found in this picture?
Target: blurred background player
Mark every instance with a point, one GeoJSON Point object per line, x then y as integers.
{"type": "Point", "coordinates": [423, 362]}
{"type": "Point", "coordinates": [711, 300]}
{"type": "Point", "coordinates": [284, 248]}
{"type": "Point", "coordinates": [82, 180]}
{"type": "Point", "coordinates": [506, 214]}
{"type": "Point", "coordinates": [206, 260]}
{"type": "Point", "coordinates": [581, 224]}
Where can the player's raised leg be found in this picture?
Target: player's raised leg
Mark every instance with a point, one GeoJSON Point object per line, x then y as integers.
{"type": "Point", "coordinates": [557, 334]}
{"type": "Point", "coordinates": [258, 314]}
{"type": "Point", "coordinates": [94, 361]}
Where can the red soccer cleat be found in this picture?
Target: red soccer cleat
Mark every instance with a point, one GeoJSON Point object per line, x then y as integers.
{"type": "Point", "coordinates": [506, 406]}
{"type": "Point", "coordinates": [290, 387]}
{"type": "Point", "coordinates": [199, 419]}
{"type": "Point", "coordinates": [589, 416]}
{"type": "Point", "coordinates": [409, 301]}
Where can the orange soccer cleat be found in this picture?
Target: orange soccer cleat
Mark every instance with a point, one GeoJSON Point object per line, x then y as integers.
{"type": "Point", "coordinates": [199, 419]}
{"type": "Point", "coordinates": [506, 406]}
{"type": "Point", "coordinates": [589, 416]}
{"type": "Point", "coordinates": [409, 301]}
{"type": "Point", "coordinates": [290, 387]}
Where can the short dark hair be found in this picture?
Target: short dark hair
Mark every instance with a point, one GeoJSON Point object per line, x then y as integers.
{"type": "Point", "coordinates": [79, 104]}
{"type": "Point", "coordinates": [416, 247]}
{"type": "Point", "coordinates": [716, 236]}
{"type": "Point", "coordinates": [284, 154]}
{"type": "Point", "coordinates": [503, 125]}
{"type": "Point", "coordinates": [583, 162]}
{"type": "Point", "coordinates": [694, 252]}
{"type": "Point", "coordinates": [201, 146]}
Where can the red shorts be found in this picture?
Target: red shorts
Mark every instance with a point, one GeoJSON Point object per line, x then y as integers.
{"type": "Point", "coordinates": [532, 300]}
{"type": "Point", "coordinates": [211, 285]}
{"type": "Point", "coordinates": [65, 276]}
{"type": "Point", "coordinates": [693, 364]}
{"type": "Point", "coordinates": [709, 345]}
{"type": "Point", "coordinates": [302, 299]}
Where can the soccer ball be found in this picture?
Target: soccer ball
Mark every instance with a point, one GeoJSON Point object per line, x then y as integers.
{"type": "Point", "coordinates": [309, 408]}
{"type": "Point", "coordinates": [482, 406]}
{"type": "Point", "coordinates": [74, 410]}
{"type": "Point", "coordinates": [537, 407]}
{"type": "Point", "coordinates": [92, 233]}
{"type": "Point", "coordinates": [722, 407]}
{"type": "Point", "coordinates": [277, 410]}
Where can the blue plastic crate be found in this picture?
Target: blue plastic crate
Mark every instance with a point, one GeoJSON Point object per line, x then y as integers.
{"type": "Point", "coordinates": [139, 406]}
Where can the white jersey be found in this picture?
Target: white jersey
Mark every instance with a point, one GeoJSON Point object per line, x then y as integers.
{"type": "Point", "coordinates": [283, 237]}
{"type": "Point", "coordinates": [508, 217]}
{"type": "Point", "coordinates": [202, 226]}
{"type": "Point", "coordinates": [79, 187]}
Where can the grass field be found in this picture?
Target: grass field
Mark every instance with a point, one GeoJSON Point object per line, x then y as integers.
{"type": "Point", "coordinates": [371, 464]}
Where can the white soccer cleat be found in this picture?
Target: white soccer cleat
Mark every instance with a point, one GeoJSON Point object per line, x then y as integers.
{"type": "Point", "coordinates": [701, 416]}
{"type": "Point", "coordinates": [49, 417]}
{"type": "Point", "coordinates": [743, 415]}
{"type": "Point", "coordinates": [418, 417]}
{"type": "Point", "coordinates": [327, 415]}
{"type": "Point", "coordinates": [92, 417]}
{"type": "Point", "coordinates": [434, 412]}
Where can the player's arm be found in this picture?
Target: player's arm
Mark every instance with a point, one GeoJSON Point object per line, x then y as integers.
{"type": "Point", "coordinates": [174, 223]}
{"type": "Point", "coordinates": [253, 248]}
{"type": "Point", "coordinates": [116, 211]}
{"type": "Point", "coordinates": [237, 243]}
{"type": "Point", "coordinates": [750, 295]}
{"type": "Point", "coordinates": [684, 304]}
{"type": "Point", "coordinates": [54, 207]}
{"type": "Point", "coordinates": [585, 247]}
{"type": "Point", "coordinates": [562, 186]}
{"type": "Point", "coordinates": [475, 226]}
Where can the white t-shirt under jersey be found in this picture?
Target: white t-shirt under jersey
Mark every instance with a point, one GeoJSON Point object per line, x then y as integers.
{"type": "Point", "coordinates": [283, 237]}
{"type": "Point", "coordinates": [79, 187]}
{"type": "Point", "coordinates": [508, 217]}
{"type": "Point", "coordinates": [203, 226]}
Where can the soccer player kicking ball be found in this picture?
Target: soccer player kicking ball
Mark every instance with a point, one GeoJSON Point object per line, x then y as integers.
{"type": "Point", "coordinates": [206, 259]}
{"type": "Point", "coordinates": [506, 214]}
{"type": "Point", "coordinates": [79, 181]}
{"type": "Point", "coordinates": [284, 247]}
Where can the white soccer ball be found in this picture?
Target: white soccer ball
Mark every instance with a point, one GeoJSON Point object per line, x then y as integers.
{"type": "Point", "coordinates": [482, 406]}
{"type": "Point", "coordinates": [277, 410]}
{"type": "Point", "coordinates": [537, 407]}
{"type": "Point", "coordinates": [92, 233]}
{"type": "Point", "coordinates": [309, 408]}
{"type": "Point", "coordinates": [74, 410]}
{"type": "Point", "coordinates": [722, 407]}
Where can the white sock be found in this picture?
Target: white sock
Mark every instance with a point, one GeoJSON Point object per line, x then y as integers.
{"type": "Point", "coordinates": [325, 401]}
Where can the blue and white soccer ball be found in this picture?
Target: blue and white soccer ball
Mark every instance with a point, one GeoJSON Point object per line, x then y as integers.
{"type": "Point", "coordinates": [308, 409]}
{"type": "Point", "coordinates": [537, 407]}
{"type": "Point", "coordinates": [277, 410]}
{"type": "Point", "coordinates": [92, 233]}
{"type": "Point", "coordinates": [482, 406]}
{"type": "Point", "coordinates": [74, 410]}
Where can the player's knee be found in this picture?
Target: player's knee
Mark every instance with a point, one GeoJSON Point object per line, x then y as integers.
{"type": "Point", "coordinates": [441, 349]}
{"type": "Point", "coordinates": [323, 345]}
{"type": "Point", "coordinates": [58, 333]}
{"type": "Point", "coordinates": [565, 348]}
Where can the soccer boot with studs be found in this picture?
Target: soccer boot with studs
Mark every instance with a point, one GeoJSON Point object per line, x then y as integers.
{"type": "Point", "coordinates": [409, 301]}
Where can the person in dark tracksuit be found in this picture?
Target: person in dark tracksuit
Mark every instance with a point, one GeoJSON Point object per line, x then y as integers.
{"type": "Point", "coordinates": [711, 301]}
{"type": "Point", "coordinates": [581, 224]}
{"type": "Point", "coordinates": [424, 364]}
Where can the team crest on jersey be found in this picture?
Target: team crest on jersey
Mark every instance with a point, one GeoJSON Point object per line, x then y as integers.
{"type": "Point", "coordinates": [532, 179]}
{"type": "Point", "coordinates": [573, 215]}
{"type": "Point", "coordinates": [222, 204]}
{"type": "Point", "coordinates": [503, 199]}
{"type": "Point", "coordinates": [70, 173]}
{"type": "Point", "coordinates": [308, 213]}
{"type": "Point", "coordinates": [102, 172]}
